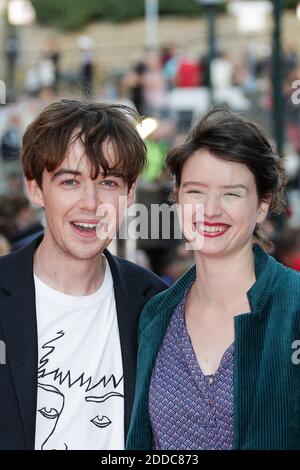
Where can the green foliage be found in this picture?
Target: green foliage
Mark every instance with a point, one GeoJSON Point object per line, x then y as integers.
{"type": "Point", "coordinates": [67, 14]}
{"type": "Point", "coordinates": [291, 3]}
{"type": "Point", "coordinates": [74, 14]}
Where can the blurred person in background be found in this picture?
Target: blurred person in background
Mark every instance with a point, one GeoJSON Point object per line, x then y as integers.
{"type": "Point", "coordinates": [87, 66]}
{"type": "Point", "coordinates": [52, 52]}
{"type": "Point", "coordinates": [11, 140]}
{"type": "Point", "coordinates": [221, 71]}
{"type": "Point", "coordinates": [189, 71]}
{"type": "Point", "coordinates": [173, 267]}
{"type": "Point", "coordinates": [287, 248]}
{"type": "Point", "coordinates": [291, 109]}
{"type": "Point", "coordinates": [27, 223]}
{"type": "Point", "coordinates": [155, 86]}
{"type": "Point", "coordinates": [19, 221]}
{"type": "Point", "coordinates": [4, 246]}
{"type": "Point", "coordinates": [216, 369]}
{"type": "Point", "coordinates": [132, 86]}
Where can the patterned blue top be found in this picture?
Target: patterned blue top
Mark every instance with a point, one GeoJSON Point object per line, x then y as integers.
{"type": "Point", "coordinates": [190, 410]}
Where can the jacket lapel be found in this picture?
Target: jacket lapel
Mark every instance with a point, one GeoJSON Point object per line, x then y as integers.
{"type": "Point", "coordinates": [18, 319]}
{"type": "Point", "coordinates": [19, 323]}
{"type": "Point", "coordinates": [19, 326]}
{"type": "Point", "coordinates": [128, 305]}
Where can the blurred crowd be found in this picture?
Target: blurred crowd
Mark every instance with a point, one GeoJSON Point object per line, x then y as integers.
{"type": "Point", "coordinates": [173, 87]}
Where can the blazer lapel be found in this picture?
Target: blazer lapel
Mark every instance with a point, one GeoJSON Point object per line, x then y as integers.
{"type": "Point", "coordinates": [18, 319]}
{"type": "Point", "coordinates": [129, 303]}
{"type": "Point", "coordinates": [19, 326]}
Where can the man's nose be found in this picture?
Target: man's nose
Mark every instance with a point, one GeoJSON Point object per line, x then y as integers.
{"type": "Point", "coordinates": [89, 198]}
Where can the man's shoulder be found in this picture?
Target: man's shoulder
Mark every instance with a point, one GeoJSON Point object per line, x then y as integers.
{"type": "Point", "coordinates": [138, 272]}
{"type": "Point", "coordinates": [9, 268]}
{"type": "Point", "coordinates": [16, 267]}
{"type": "Point", "coordinates": [10, 260]}
{"type": "Point", "coordinates": [164, 302]}
{"type": "Point", "coordinates": [136, 281]}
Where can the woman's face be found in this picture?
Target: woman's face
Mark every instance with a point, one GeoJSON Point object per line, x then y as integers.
{"type": "Point", "coordinates": [222, 202]}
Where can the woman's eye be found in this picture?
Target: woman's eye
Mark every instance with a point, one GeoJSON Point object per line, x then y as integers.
{"type": "Point", "coordinates": [232, 195]}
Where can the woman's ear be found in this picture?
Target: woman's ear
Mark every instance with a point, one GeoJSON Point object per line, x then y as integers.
{"type": "Point", "coordinates": [174, 194]}
{"type": "Point", "coordinates": [263, 209]}
{"type": "Point", "coordinates": [35, 193]}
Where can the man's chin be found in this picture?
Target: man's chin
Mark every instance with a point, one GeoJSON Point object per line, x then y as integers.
{"type": "Point", "coordinates": [88, 253]}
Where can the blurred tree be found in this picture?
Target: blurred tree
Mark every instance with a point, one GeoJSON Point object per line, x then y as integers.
{"type": "Point", "coordinates": [68, 14]}
{"type": "Point", "coordinates": [291, 3]}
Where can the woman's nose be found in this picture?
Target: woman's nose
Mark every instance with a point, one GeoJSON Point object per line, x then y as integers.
{"type": "Point", "coordinates": [212, 206]}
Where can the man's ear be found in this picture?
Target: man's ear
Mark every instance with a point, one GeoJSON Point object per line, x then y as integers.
{"type": "Point", "coordinates": [35, 193]}
{"type": "Point", "coordinates": [131, 195]}
{"type": "Point", "coordinates": [263, 209]}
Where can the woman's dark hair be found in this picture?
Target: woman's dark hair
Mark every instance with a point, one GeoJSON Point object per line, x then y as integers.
{"type": "Point", "coordinates": [48, 138]}
{"type": "Point", "coordinates": [232, 138]}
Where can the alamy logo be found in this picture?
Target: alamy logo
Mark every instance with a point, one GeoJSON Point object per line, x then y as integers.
{"type": "Point", "coordinates": [296, 94]}
{"type": "Point", "coordinates": [2, 353]}
{"type": "Point", "coordinates": [296, 354]}
{"type": "Point", "coordinates": [2, 92]}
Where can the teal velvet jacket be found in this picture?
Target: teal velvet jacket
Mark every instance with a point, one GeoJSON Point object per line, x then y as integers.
{"type": "Point", "coordinates": [266, 363]}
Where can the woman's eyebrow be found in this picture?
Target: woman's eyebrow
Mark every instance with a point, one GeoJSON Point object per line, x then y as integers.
{"type": "Point", "coordinates": [226, 186]}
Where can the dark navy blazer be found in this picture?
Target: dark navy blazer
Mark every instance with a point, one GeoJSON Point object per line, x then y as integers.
{"type": "Point", "coordinates": [133, 286]}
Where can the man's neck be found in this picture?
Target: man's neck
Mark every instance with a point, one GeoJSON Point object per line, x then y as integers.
{"type": "Point", "coordinates": [67, 274]}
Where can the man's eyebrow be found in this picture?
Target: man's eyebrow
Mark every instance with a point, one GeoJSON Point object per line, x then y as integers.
{"type": "Point", "coordinates": [227, 186]}
{"type": "Point", "coordinates": [64, 171]}
{"type": "Point", "coordinates": [117, 174]}
{"type": "Point", "coordinates": [67, 171]}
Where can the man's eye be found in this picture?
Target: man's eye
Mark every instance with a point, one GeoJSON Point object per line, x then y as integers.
{"type": "Point", "coordinates": [195, 191]}
{"type": "Point", "coordinates": [69, 182]}
{"type": "Point", "coordinates": [49, 414]}
{"type": "Point", "coordinates": [102, 422]}
{"type": "Point", "coordinates": [108, 183]}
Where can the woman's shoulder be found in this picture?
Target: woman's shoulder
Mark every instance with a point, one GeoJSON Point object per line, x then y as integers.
{"type": "Point", "coordinates": [286, 288]}
{"type": "Point", "coordinates": [167, 300]}
{"type": "Point", "coordinates": [274, 276]}
{"type": "Point", "coordinates": [288, 276]}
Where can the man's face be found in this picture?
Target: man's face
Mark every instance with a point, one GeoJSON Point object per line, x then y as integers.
{"type": "Point", "coordinates": [82, 214]}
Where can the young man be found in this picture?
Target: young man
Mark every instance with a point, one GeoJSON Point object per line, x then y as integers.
{"type": "Point", "coordinates": [68, 308]}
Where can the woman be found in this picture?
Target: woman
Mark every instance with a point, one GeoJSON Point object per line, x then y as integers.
{"type": "Point", "coordinates": [218, 364]}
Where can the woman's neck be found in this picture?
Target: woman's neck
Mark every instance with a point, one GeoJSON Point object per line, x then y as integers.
{"type": "Point", "coordinates": [222, 281]}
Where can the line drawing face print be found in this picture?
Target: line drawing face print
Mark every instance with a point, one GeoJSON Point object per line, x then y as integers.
{"type": "Point", "coordinates": [56, 413]}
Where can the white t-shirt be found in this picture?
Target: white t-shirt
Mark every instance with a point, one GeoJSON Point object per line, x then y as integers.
{"type": "Point", "coordinates": [80, 403]}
